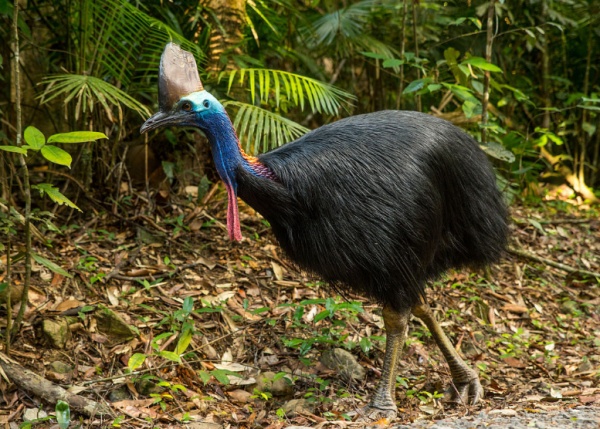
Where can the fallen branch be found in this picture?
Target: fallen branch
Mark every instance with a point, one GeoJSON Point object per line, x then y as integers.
{"type": "Point", "coordinates": [552, 263]}
{"type": "Point", "coordinates": [115, 273]}
{"type": "Point", "coordinates": [47, 390]}
{"type": "Point", "coordinates": [520, 221]}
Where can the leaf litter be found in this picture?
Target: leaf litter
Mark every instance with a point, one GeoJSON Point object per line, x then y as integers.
{"type": "Point", "coordinates": [237, 311]}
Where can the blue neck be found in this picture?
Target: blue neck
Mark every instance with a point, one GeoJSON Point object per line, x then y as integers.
{"type": "Point", "coordinates": [227, 154]}
{"type": "Point", "coordinates": [225, 147]}
{"type": "Point", "coordinates": [213, 120]}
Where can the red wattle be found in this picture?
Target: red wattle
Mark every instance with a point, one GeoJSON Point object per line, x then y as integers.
{"type": "Point", "coordinates": [233, 216]}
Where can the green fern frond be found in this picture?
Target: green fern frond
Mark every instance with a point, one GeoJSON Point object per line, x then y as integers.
{"type": "Point", "coordinates": [344, 23]}
{"type": "Point", "coordinates": [346, 30]}
{"type": "Point", "coordinates": [257, 6]}
{"type": "Point", "coordinates": [322, 97]}
{"type": "Point", "coordinates": [116, 43]}
{"type": "Point", "coordinates": [121, 40]}
{"type": "Point", "coordinates": [260, 130]}
{"type": "Point", "coordinates": [88, 91]}
{"type": "Point", "coordinates": [371, 44]}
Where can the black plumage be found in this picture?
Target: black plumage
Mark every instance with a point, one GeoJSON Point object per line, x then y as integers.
{"type": "Point", "coordinates": [382, 203]}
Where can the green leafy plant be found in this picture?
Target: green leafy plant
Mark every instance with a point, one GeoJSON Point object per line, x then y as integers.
{"type": "Point", "coordinates": [423, 395]}
{"type": "Point", "coordinates": [280, 413]}
{"type": "Point", "coordinates": [328, 325]}
{"type": "Point", "coordinates": [63, 414]}
{"type": "Point", "coordinates": [221, 375]}
{"type": "Point", "coordinates": [168, 394]}
{"type": "Point", "coordinates": [259, 394]}
{"type": "Point", "coordinates": [116, 423]}
{"type": "Point", "coordinates": [178, 224]}
{"type": "Point", "coordinates": [36, 142]}
{"type": "Point", "coordinates": [179, 321]}
{"type": "Point", "coordinates": [89, 91]}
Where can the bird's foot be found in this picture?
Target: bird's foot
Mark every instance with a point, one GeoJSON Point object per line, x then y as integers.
{"type": "Point", "coordinates": [469, 392]}
{"type": "Point", "coordinates": [373, 414]}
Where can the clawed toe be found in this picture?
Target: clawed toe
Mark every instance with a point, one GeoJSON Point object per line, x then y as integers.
{"type": "Point", "coordinates": [467, 393]}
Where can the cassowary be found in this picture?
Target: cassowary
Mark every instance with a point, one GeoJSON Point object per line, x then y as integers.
{"type": "Point", "coordinates": [380, 203]}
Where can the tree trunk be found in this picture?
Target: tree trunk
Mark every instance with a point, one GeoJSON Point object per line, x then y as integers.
{"type": "Point", "coordinates": [400, 101]}
{"type": "Point", "coordinates": [546, 89]}
{"type": "Point", "coordinates": [416, 41]}
{"type": "Point", "coordinates": [227, 33]}
{"type": "Point", "coordinates": [486, 78]}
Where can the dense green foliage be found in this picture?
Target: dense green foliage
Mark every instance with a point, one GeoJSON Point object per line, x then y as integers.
{"type": "Point", "coordinates": [299, 64]}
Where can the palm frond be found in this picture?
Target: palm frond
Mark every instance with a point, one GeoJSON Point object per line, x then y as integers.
{"type": "Point", "coordinates": [258, 7]}
{"type": "Point", "coordinates": [114, 44]}
{"type": "Point", "coordinates": [87, 92]}
{"type": "Point", "coordinates": [260, 130]}
{"type": "Point", "coordinates": [344, 23]}
{"type": "Point", "coordinates": [297, 89]}
{"type": "Point", "coordinates": [370, 44]}
{"type": "Point", "coordinates": [345, 30]}
{"type": "Point", "coordinates": [120, 40]}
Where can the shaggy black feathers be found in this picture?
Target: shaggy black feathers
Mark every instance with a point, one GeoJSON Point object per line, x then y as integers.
{"type": "Point", "coordinates": [382, 203]}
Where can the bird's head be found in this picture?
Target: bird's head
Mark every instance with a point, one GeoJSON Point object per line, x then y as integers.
{"type": "Point", "coordinates": [197, 109]}
{"type": "Point", "coordinates": [182, 99]}
{"type": "Point", "coordinates": [182, 102]}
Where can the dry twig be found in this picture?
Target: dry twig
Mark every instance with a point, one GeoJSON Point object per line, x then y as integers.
{"type": "Point", "coordinates": [567, 268]}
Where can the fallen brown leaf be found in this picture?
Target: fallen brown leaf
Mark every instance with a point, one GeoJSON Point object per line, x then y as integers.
{"type": "Point", "coordinates": [515, 308]}
{"type": "Point", "coordinates": [514, 363]}
{"type": "Point", "coordinates": [589, 399]}
{"type": "Point", "coordinates": [136, 408]}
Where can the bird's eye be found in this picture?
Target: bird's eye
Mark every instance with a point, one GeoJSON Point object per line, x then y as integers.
{"type": "Point", "coordinates": [206, 104]}
{"type": "Point", "coordinates": [186, 106]}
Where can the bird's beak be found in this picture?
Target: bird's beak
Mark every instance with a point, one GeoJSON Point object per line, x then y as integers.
{"type": "Point", "coordinates": [159, 119]}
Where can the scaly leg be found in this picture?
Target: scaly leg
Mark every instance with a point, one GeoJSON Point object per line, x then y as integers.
{"type": "Point", "coordinates": [466, 381]}
{"type": "Point", "coordinates": [383, 403]}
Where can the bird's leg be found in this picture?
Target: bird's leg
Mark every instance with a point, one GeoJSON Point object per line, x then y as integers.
{"type": "Point", "coordinates": [466, 385]}
{"type": "Point", "coordinates": [383, 404]}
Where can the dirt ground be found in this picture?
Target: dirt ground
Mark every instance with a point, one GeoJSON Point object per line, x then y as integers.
{"type": "Point", "coordinates": [204, 319]}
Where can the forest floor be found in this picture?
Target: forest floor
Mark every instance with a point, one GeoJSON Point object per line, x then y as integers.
{"type": "Point", "coordinates": [167, 323]}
